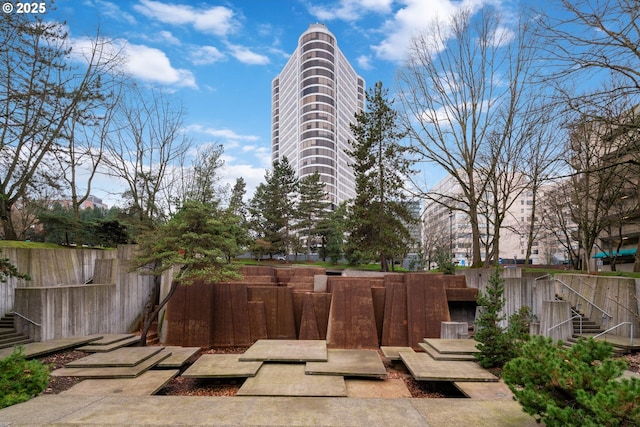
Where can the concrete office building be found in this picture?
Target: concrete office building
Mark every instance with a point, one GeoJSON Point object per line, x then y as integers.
{"type": "Point", "coordinates": [314, 99]}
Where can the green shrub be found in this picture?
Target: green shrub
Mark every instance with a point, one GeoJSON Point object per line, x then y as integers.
{"type": "Point", "coordinates": [576, 386]}
{"type": "Point", "coordinates": [21, 379]}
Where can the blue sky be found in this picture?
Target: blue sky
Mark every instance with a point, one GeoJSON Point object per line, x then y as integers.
{"type": "Point", "coordinates": [219, 57]}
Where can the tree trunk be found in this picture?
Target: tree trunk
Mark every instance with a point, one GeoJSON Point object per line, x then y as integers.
{"type": "Point", "coordinates": [154, 313]}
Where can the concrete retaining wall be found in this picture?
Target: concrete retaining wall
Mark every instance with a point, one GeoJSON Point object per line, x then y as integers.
{"type": "Point", "coordinates": [64, 308]}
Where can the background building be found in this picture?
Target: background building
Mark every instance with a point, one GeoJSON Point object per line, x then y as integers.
{"type": "Point", "coordinates": [314, 99]}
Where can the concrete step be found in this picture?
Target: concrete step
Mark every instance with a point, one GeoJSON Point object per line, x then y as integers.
{"type": "Point", "coordinates": [17, 341]}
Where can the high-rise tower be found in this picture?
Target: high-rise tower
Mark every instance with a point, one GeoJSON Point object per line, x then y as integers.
{"type": "Point", "coordinates": [314, 99]}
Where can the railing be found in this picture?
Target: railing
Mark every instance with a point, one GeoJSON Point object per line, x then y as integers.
{"type": "Point", "coordinates": [584, 298]}
{"type": "Point", "coordinates": [616, 327]}
{"type": "Point", "coordinates": [577, 316]}
{"type": "Point", "coordinates": [26, 318]}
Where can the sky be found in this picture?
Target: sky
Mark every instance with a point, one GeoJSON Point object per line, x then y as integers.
{"type": "Point", "coordinates": [220, 57]}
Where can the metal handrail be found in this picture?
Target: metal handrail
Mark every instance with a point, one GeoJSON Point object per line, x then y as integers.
{"type": "Point", "coordinates": [615, 327]}
{"type": "Point", "coordinates": [584, 298]}
{"type": "Point", "coordinates": [26, 318]}
{"type": "Point", "coordinates": [565, 321]}
{"type": "Point", "coordinates": [543, 276]}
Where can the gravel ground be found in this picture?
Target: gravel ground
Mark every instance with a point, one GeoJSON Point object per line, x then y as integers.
{"type": "Point", "coordinates": [180, 386]}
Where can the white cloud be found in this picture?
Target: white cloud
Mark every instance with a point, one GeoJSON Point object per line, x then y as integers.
{"type": "Point", "coordinates": [113, 11]}
{"type": "Point", "coordinates": [350, 10]}
{"type": "Point", "coordinates": [364, 62]}
{"type": "Point", "coordinates": [227, 134]}
{"type": "Point", "coordinates": [415, 17]}
{"type": "Point", "coordinates": [217, 20]}
{"type": "Point", "coordinates": [151, 64]}
{"type": "Point", "coordinates": [167, 37]}
{"type": "Point", "coordinates": [142, 62]}
{"type": "Point", "coordinates": [246, 56]}
{"type": "Point", "coordinates": [203, 55]}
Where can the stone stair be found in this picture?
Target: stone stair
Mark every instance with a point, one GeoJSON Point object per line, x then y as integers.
{"type": "Point", "coordinates": [9, 337]}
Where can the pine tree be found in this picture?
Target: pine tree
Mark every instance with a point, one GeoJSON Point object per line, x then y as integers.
{"type": "Point", "coordinates": [378, 217]}
{"type": "Point", "coordinates": [312, 208]}
{"type": "Point", "coordinates": [494, 344]}
{"type": "Point", "coordinates": [272, 207]}
{"type": "Point", "coordinates": [576, 386]}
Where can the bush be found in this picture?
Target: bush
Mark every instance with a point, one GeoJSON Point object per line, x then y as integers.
{"type": "Point", "coordinates": [21, 379]}
{"type": "Point", "coordinates": [576, 386]}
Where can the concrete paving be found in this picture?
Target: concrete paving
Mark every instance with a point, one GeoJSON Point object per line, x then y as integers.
{"type": "Point", "coordinates": [286, 351]}
{"type": "Point", "coordinates": [146, 384]}
{"type": "Point", "coordinates": [221, 366]}
{"type": "Point", "coordinates": [286, 379]}
{"type": "Point", "coordinates": [65, 410]}
{"type": "Point", "coordinates": [484, 390]}
{"type": "Point", "coordinates": [121, 357]}
{"type": "Point", "coordinates": [110, 346]}
{"type": "Point", "coordinates": [390, 388]}
{"type": "Point", "coordinates": [112, 372]}
{"type": "Point", "coordinates": [36, 349]}
{"type": "Point", "coordinates": [393, 353]}
{"type": "Point", "coordinates": [349, 363]}
{"type": "Point", "coordinates": [436, 355]}
{"type": "Point", "coordinates": [424, 368]}
{"type": "Point", "coordinates": [179, 356]}
{"type": "Point", "coordinates": [453, 346]}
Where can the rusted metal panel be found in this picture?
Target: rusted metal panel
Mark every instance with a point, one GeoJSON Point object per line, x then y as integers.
{"type": "Point", "coordinates": [308, 323]}
{"type": "Point", "coordinates": [256, 270]}
{"type": "Point", "coordinates": [298, 301]}
{"type": "Point", "coordinates": [257, 321]}
{"type": "Point", "coordinates": [394, 326]}
{"type": "Point", "coordinates": [454, 281]}
{"type": "Point", "coordinates": [278, 304]}
{"type": "Point", "coordinates": [230, 315]}
{"type": "Point", "coordinates": [175, 317]}
{"type": "Point", "coordinates": [461, 294]}
{"type": "Point", "coordinates": [378, 294]}
{"type": "Point", "coordinates": [322, 306]}
{"type": "Point", "coordinates": [198, 306]}
{"type": "Point", "coordinates": [351, 317]}
{"type": "Point", "coordinates": [426, 307]}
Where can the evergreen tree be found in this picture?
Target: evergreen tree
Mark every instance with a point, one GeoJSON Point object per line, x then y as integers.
{"type": "Point", "coordinates": [272, 207]}
{"type": "Point", "coordinates": [311, 209]}
{"type": "Point", "coordinates": [331, 231]}
{"type": "Point", "coordinates": [379, 215]}
{"type": "Point", "coordinates": [236, 214]}
{"type": "Point", "coordinates": [196, 239]}
{"type": "Point", "coordinates": [576, 386]}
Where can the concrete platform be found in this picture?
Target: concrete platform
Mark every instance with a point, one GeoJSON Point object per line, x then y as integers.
{"type": "Point", "coordinates": [453, 346]}
{"type": "Point", "coordinates": [179, 356]}
{"type": "Point", "coordinates": [36, 349]}
{"type": "Point", "coordinates": [112, 372]}
{"type": "Point", "coordinates": [286, 351]}
{"type": "Point", "coordinates": [349, 363]}
{"type": "Point", "coordinates": [445, 356]}
{"type": "Point", "coordinates": [393, 353]}
{"type": "Point", "coordinates": [485, 390]}
{"type": "Point", "coordinates": [390, 388]}
{"type": "Point", "coordinates": [65, 410]}
{"type": "Point", "coordinates": [285, 379]}
{"type": "Point", "coordinates": [146, 384]}
{"type": "Point", "coordinates": [101, 348]}
{"type": "Point", "coordinates": [221, 366]}
{"type": "Point", "coordinates": [121, 357]}
{"type": "Point", "coordinates": [424, 368]}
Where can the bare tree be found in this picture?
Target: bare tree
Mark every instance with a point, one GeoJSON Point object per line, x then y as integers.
{"type": "Point", "coordinates": [81, 146]}
{"type": "Point", "coordinates": [40, 92]}
{"type": "Point", "coordinates": [147, 142]}
{"type": "Point", "coordinates": [591, 41]}
{"type": "Point", "coordinates": [465, 91]}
